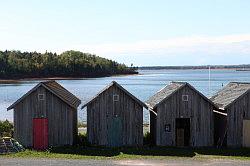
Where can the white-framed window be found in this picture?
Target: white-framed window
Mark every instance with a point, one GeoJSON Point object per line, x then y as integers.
{"type": "Point", "coordinates": [184, 97]}
{"type": "Point", "coordinates": [168, 128]}
{"type": "Point", "coordinates": [115, 97]}
{"type": "Point", "coordinates": [41, 96]}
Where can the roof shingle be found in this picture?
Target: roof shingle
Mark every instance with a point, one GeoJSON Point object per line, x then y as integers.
{"type": "Point", "coordinates": [63, 93]}
{"type": "Point", "coordinates": [230, 93]}
{"type": "Point", "coordinates": [57, 90]}
{"type": "Point", "coordinates": [164, 93]}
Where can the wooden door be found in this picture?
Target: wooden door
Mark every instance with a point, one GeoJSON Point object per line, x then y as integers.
{"type": "Point", "coordinates": [40, 133]}
{"type": "Point", "coordinates": [179, 137]}
{"type": "Point", "coordinates": [115, 132]}
{"type": "Point", "coordinates": [246, 133]}
{"type": "Point", "coordinates": [182, 131]}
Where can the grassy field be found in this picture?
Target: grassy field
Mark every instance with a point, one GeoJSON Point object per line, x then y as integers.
{"type": "Point", "coordinates": [85, 151]}
{"type": "Point", "coordinates": [135, 153]}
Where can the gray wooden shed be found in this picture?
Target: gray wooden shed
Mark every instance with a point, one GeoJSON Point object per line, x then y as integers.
{"type": "Point", "coordinates": [181, 116]}
{"type": "Point", "coordinates": [234, 101]}
{"type": "Point", "coordinates": [115, 118]}
{"type": "Point", "coordinates": [46, 116]}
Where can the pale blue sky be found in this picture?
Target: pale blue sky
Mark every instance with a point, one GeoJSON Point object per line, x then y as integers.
{"type": "Point", "coordinates": [143, 32]}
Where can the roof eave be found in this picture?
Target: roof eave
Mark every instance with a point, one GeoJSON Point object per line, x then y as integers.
{"type": "Point", "coordinates": [34, 88]}
{"type": "Point", "coordinates": [94, 97]}
{"type": "Point", "coordinates": [85, 105]}
{"type": "Point", "coordinates": [21, 98]}
{"type": "Point", "coordinates": [73, 106]}
{"type": "Point", "coordinates": [123, 89]}
{"type": "Point", "coordinates": [242, 95]}
{"type": "Point", "coordinates": [183, 84]}
{"type": "Point", "coordinates": [131, 95]}
{"type": "Point", "coordinates": [208, 100]}
{"type": "Point", "coordinates": [221, 113]}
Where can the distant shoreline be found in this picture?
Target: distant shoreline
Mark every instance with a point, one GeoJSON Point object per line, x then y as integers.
{"type": "Point", "coordinates": [16, 80]}
{"type": "Point", "coordinates": [9, 81]}
{"type": "Point", "coordinates": [244, 67]}
{"type": "Point", "coordinates": [236, 69]}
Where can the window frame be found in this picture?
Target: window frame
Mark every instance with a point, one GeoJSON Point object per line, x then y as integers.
{"type": "Point", "coordinates": [185, 98]}
{"type": "Point", "coordinates": [116, 98]}
{"type": "Point", "coordinates": [41, 98]}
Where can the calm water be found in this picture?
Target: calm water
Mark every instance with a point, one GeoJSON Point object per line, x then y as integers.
{"type": "Point", "coordinates": [142, 86]}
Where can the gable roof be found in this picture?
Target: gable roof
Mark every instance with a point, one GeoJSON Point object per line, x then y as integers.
{"type": "Point", "coordinates": [113, 83]}
{"type": "Point", "coordinates": [230, 94]}
{"type": "Point", "coordinates": [162, 94]}
{"type": "Point", "coordinates": [57, 90]}
{"type": "Point", "coordinates": [168, 91]}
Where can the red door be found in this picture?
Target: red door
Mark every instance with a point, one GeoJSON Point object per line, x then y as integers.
{"type": "Point", "coordinates": [40, 133]}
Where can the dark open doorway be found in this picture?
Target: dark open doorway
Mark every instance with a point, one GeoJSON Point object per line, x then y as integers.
{"type": "Point", "coordinates": [182, 131]}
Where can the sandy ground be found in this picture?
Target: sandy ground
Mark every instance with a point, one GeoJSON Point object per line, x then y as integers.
{"type": "Point", "coordinates": [146, 162]}
{"type": "Point", "coordinates": [83, 130]}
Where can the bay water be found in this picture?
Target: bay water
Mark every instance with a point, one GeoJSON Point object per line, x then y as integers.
{"type": "Point", "coordinates": [143, 85]}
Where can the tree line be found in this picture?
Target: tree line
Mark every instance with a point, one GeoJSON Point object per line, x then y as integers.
{"type": "Point", "coordinates": [17, 64]}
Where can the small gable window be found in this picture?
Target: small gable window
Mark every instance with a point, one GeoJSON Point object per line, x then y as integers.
{"type": "Point", "coordinates": [184, 97]}
{"type": "Point", "coordinates": [115, 97]}
{"type": "Point", "coordinates": [41, 96]}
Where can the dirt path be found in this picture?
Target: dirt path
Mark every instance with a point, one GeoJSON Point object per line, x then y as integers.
{"type": "Point", "coordinates": [146, 162]}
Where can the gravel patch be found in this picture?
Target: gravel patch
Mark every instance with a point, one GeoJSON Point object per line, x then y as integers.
{"type": "Point", "coordinates": [146, 162]}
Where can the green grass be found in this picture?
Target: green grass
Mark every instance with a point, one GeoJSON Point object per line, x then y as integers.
{"type": "Point", "coordinates": [84, 151]}
{"type": "Point", "coordinates": [135, 153]}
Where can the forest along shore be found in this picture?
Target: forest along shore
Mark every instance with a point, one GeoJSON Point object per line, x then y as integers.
{"type": "Point", "coordinates": [15, 65]}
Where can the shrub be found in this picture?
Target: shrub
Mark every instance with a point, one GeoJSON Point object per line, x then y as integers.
{"type": "Point", "coordinates": [6, 128]}
{"type": "Point", "coordinates": [81, 124]}
{"type": "Point", "coordinates": [82, 140]}
{"type": "Point", "coordinates": [147, 138]}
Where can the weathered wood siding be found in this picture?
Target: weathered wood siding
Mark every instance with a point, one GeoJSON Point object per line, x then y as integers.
{"type": "Point", "coordinates": [196, 108]}
{"type": "Point", "coordinates": [62, 119]}
{"type": "Point", "coordinates": [103, 108]}
{"type": "Point", "coordinates": [235, 114]}
{"type": "Point", "coordinates": [220, 129]}
{"type": "Point", "coordinates": [153, 127]}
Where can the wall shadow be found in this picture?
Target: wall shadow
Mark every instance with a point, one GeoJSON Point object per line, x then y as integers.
{"type": "Point", "coordinates": [110, 152]}
{"type": "Point", "coordinates": [159, 151]}
{"type": "Point", "coordinates": [150, 151]}
{"type": "Point", "coordinates": [86, 151]}
{"type": "Point", "coordinates": [237, 152]}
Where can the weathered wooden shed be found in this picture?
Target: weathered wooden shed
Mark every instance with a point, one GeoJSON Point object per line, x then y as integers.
{"type": "Point", "coordinates": [46, 116]}
{"type": "Point", "coordinates": [234, 101]}
{"type": "Point", "coordinates": [115, 118]}
{"type": "Point", "coordinates": [181, 116]}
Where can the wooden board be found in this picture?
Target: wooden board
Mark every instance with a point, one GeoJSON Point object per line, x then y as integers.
{"type": "Point", "coordinates": [246, 133]}
{"type": "Point", "coordinates": [180, 137]}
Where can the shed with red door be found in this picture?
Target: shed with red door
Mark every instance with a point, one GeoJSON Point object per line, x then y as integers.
{"type": "Point", "coordinates": [46, 116]}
